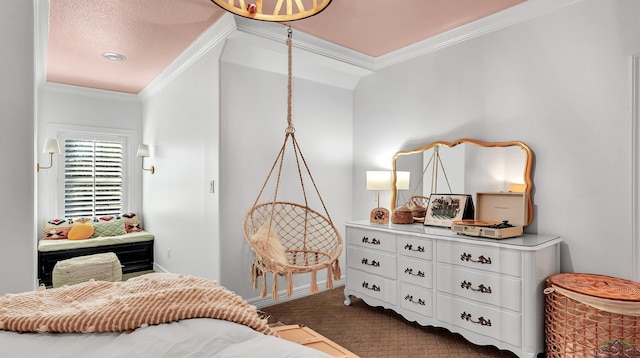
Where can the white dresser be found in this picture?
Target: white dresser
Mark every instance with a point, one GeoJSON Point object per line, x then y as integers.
{"type": "Point", "coordinates": [490, 291]}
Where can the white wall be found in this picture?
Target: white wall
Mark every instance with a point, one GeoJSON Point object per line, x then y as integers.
{"type": "Point", "coordinates": [560, 83]}
{"type": "Point", "coordinates": [181, 125]}
{"type": "Point", "coordinates": [67, 108]}
{"type": "Point", "coordinates": [17, 113]}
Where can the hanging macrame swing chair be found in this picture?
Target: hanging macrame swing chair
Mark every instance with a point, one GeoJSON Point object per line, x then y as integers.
{"type": "Point", "coordinates": [291, 238]}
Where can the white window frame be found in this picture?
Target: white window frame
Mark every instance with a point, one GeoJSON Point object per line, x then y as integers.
{"type": "Point", "coordinates": [130, 178]}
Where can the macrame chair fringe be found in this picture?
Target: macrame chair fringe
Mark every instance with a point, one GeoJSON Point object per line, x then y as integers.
{"type": "Point", "coordinates": [263, 291]}
{"type": "Point", "coordinates": [274, 290]}
{"type": "Point", "coordinates": [314, 282]}
{"type": "Point", "coordinates": [255, 272]}
{"type": "Point", "coordinates": [310, 239]}
{"type": "Point", "coordinates": [289, 283]}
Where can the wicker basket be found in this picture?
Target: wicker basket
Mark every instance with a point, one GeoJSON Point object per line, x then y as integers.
{"type": "Point", "coordinates": [402, 215]}
{"type": "Point", "coordinates": [590, 315]}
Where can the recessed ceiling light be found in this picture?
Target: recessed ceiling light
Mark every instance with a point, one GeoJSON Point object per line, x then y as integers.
{"type": "Point", "coordinates": [113, 56]}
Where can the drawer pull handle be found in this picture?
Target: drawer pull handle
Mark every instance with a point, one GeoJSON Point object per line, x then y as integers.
{"type": "Point", "coordinates": [481, 320]}
{"type": "Point", "coordinates": [409, 271]}
{"type": "Point", "coordinates": [373, 263]}
{"type": "Point", "coordinates": [373, 241]}
{"type": "Point", "coordinates": [372, 288]}
{"type": "Point", "coordinates": [481, 259]}
{"type": "Point", "coordinates": [420, 301]}
{"type": "Point", "coordinates": [481, 288]}
{"type": "Point", "coordinates": [410, 248]}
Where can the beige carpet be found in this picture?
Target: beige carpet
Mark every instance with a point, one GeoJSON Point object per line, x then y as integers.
{"type": "Point", "coordinates": [126, 276]}
{"type": "Point", "coordinates": [373, 332]}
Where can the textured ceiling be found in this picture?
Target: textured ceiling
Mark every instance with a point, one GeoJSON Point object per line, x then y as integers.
{"type": "Point", "coordinates": [153, 33]}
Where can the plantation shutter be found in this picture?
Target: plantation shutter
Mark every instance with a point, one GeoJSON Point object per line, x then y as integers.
{"type": "Point", "coordinates": [93, 179]}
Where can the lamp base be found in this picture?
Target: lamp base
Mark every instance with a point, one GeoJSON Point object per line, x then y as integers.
{"type": "Point", "coordinates": [379, 216]}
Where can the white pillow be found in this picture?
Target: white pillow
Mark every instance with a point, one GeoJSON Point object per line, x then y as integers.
{"type": "Point", "coordinates": [267, 241]}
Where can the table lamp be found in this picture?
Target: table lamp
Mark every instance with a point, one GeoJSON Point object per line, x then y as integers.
{"type": "Point", "coordinates": [379, 180]}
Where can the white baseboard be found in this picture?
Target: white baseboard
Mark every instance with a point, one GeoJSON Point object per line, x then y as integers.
{"type": "Point", "coordinates": [298, 292]}
{"type": "Point", "coordinates": [158, 268]}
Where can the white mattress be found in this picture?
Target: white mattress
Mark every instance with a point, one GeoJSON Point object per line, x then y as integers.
{"type": "Point", "coordinates": [191, 338]}
{"type": "Point", "coordinates": [65, 244]}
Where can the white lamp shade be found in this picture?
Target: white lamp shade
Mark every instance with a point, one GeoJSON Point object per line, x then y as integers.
{"type": "Point", "coordinates": [378, 180]}
{"type": "Point", "coordinates": [51, 146]}
{"type": "Point", "coordinates": [143, 150]}
{"type": "Point", "coordinates": [402, 180]}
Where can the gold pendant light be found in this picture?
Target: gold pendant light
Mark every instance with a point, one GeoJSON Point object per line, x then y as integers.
{"type": "Point", "coordinates": [274, 10]}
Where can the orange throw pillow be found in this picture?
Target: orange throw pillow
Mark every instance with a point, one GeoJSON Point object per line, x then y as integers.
{"type": "Point", "coordinates": [80, 232]}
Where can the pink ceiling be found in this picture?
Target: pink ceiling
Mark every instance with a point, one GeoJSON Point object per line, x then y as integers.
{"type": "Point", "coordinates": [153, 33]}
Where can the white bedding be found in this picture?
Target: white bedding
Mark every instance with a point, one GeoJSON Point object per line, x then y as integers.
{"type": "Point", "coordinates": [190, 338]}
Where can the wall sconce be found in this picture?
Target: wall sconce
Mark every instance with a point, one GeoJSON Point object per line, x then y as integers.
{"type": "Point", "coordinates": [379, 180]}
{"type": "Point", "coordinates": [143, 151]}
{"type": "Point", "coordinates": [52, 147]}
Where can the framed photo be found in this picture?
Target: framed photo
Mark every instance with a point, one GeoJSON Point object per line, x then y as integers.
{"type": "Point", "coordinates": [443, 209]}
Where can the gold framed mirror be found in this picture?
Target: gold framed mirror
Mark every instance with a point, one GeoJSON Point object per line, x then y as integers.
{"type": "Point", "coordinates": [465, 166]}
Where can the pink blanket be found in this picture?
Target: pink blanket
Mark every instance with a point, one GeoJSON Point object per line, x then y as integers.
{"type": "Point", "coordinates": [99, 306]}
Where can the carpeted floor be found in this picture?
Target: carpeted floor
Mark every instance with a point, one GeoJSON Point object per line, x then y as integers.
{"type": "Point", "coordinates": [373, 332]}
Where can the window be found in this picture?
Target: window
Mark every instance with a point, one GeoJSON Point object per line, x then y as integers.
{"type": "Point", "coordinates": [93, 177]}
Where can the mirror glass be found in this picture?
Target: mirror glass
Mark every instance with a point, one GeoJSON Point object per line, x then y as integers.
{"type": "Point", "coordinates": [465, 166]}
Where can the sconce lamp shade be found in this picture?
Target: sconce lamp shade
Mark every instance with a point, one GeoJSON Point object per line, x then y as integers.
{"type": "Point", "coordinates": [402, 180]}
{"type": "Point", "coordinates": [378, 180]}
{"type": "Point", "coordinates": [143, 150]}
{"type": "Point", "coordinates": [51, 146]}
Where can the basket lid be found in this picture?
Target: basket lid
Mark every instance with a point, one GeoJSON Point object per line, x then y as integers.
{"type": "Point", "coordinates": [597, 286]}
{"type": "Point", "coordinates": [502, 206]}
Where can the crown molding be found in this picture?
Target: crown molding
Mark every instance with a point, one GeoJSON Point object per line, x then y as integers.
{"type": "Point", "coordinates": [216, 34]}
{"type": "Point", "coordinates": [87, 91]}
{"type": "Point", "coordinates": [262, 45]}
{"type": "Point", "coordinates": [508, 17]}
{"type": "Point", "coordinates": [275, 32]}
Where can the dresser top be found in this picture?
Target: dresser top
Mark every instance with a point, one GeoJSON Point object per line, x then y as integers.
{"type": "Point", "coordinates": [524, 242]}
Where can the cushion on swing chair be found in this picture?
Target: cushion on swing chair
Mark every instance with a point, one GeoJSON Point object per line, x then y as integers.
{"type": "Point", "coordinates": [266, 240]}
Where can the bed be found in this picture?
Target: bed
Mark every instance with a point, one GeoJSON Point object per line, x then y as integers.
{"type": "Point", "coordinates": [153, 315]}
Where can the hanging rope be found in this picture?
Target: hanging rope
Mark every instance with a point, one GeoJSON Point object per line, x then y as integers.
{"type": "Point", "coordinates": [290, 128]}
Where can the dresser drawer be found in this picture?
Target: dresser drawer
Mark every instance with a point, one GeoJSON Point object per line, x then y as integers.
{"type": "Point", "coordinates": [416, 272]}
{"type": "Point", "coordinates": [372, 239]}
{"type": "Point", "coordinates": [478, 257]}
{"type": "Point", "coordinates": [373, 286]}
{"type": "Point", "coordinates": [480, 286]}
{"type": "Point", "coordinates": [416, 299]}
{"type": "Point", "coordinates": [415, 247]}
{"type": "Point", "coordinates": [376, 262]}
{"type": "Point", "coordinates": [481, 319]}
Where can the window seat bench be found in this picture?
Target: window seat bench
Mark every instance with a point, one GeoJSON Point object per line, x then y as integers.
{"type": "Point", "coordinates": [134, 250]}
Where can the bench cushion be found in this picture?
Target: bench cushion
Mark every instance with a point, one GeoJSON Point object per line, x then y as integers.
{"type": "Point", "coordinates": [65, 244]}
